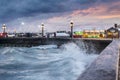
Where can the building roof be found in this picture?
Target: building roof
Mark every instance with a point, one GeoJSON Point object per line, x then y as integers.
{"type": "Point", "coordinates": [112, 29]}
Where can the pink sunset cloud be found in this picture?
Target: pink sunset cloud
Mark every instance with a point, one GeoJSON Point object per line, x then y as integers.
{"type": "Point", "coordinates": [100, 12]}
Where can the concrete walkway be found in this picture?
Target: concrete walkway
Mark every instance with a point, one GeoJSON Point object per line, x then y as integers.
{"type": "Point", "coordinates": [104, 67]}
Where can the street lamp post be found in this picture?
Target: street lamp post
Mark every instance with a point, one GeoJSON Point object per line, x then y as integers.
{"type": "Point", "coordinates": [4, 28]}
{"type": "Point", "coordinates": [71, 25]}
{"type": "Point", "coordinates": [42, 26]}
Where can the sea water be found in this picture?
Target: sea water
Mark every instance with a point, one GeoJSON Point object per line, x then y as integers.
{"type": "Point", "coordinates": [47, 62]}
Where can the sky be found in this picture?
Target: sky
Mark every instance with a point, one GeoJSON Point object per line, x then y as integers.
{"type": "Point", "coordinates": [28, 15]}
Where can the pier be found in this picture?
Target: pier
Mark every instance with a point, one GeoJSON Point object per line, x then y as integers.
{"type": "Point", "coordinates": [60, 40]}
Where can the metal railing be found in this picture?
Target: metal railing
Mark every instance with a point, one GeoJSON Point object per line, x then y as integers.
{"type": "Point", "coordinates": [118, 66]}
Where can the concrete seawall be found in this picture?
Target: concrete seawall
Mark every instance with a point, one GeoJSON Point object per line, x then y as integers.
{"type": "Point", "coordinates": [96, 45]}
{"type": "Point", "coordinates": [104, 67]}
{"type": "Point", "coordinates": [86, 43]}
{"type": "Point", "coordinates": [29, 41]}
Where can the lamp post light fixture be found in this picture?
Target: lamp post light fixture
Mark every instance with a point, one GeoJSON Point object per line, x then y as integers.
{"type": "Point", "coordinates": [42, 26]}
{"type": "Point", "coordinates": [71, 25]}
{"type": "Point", "coordinates": [22, 23]}
{"type": "Point", "coordinates": [4, 28]}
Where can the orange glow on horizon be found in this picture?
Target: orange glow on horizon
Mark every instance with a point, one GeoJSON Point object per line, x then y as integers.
{"type": "Point", "coordinates": [109, 16]}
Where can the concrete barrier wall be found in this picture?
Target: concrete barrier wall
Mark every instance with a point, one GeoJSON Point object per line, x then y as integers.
{"type": "Point", "coordinates": [46, 41]}
{"type": "Point", "coordinates": [32, 41]}
{"type": "Point", "coordinates": [104, 67]}
{"type": "Point", "coordinates": [96, 45]}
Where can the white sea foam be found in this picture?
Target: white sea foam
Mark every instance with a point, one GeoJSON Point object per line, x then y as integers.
{"type": "Point", "coordinates": [45, 46]}
{"type": "Point", "coordinates": [45, 62]}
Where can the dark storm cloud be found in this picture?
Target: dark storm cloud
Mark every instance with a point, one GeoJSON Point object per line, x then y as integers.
{"type": "Point", "coordinates": [12, 9]}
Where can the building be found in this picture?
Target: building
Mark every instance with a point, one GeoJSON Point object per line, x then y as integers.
{"type": "Point", "coordinates": [3, 35]}
{"type": "Point", "coordinates": [112, 33]}
{"type": "Point", "coordinates": [93, 34]}
{"type": "Point", "coordinates": [117, 27]}
{"type": "Point", "coordinates": [78, 34]}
